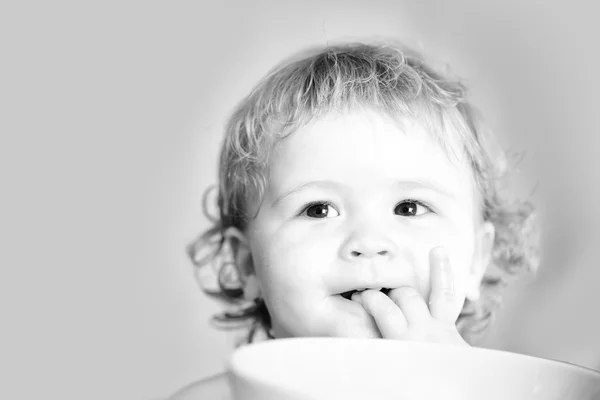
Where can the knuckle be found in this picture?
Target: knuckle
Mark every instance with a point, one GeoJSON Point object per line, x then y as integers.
{"type": "Point", "coordinates": [403, 295]}
{"type": "Point", "coordinates": [394, 295]}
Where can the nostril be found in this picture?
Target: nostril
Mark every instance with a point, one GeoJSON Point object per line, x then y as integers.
{"type": "Point", "coordinates": [381, 253]}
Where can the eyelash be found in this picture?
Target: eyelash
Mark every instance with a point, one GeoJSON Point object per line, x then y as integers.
{"type": "Point", "coordinates": [329, 203]}
{"type": "Point", "coordinates": [419, 202]}
{"type": "Point", "coordinates": [316, 203]}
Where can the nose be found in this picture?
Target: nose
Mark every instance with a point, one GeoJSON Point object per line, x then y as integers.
{"type": "Point", "coordinates": [369, 244]}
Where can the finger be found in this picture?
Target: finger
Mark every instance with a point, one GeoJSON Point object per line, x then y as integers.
{"type": "Point", "coordinates": [389, 318]}
{"type": "Point", "coordinates": [366, 276]}
{"type": "Point", "coordinates": [343, 318]}
{"type": "Point", "coordinates": [411, 304]}
{"type": "Point", "coordinates": [443, 301]}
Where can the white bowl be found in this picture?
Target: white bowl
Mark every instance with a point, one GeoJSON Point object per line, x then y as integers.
{"type": "Point", "coordinates": [341, 368]}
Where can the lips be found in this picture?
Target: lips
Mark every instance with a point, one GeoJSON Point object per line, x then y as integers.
{"type": "Point", "coordinates": [348, 295]}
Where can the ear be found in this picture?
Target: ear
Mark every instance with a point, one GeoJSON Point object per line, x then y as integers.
{"type": "Point", "coordinates": [482, 255]}
{"type": "Point", "coordinates": [242, 257]}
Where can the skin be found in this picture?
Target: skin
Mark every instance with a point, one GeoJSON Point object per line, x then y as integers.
{"type": "Point", "coordinates": [359, 201]}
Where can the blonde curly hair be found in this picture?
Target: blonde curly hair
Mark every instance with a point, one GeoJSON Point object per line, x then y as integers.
{"type": "Point", "coordinates": [344, 77]}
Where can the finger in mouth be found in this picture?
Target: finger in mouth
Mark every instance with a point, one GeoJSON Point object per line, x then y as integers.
{"type": "Point", "coordinates": [348, 295]}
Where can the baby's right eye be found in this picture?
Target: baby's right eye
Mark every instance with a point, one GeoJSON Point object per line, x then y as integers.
{"type": "Point", "coordinates": [319, 210]}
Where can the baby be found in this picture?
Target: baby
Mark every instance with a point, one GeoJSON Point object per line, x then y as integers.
{"type": "Point", "coordinates": [359, 196]}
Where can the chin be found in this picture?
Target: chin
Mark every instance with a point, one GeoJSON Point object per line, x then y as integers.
{"type": "Point", "coordinates": [353, 322]}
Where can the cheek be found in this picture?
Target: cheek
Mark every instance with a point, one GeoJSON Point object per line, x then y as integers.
{"type": "Point", "coordinates": [290, 274]}
{"type": "Point", "coordinates": [460, 247]}
{"type": "Point", "coordinates": [290, 265]}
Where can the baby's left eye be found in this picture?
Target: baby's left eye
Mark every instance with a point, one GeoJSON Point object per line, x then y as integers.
{"type": "Point", "coordinates": [411, 208]}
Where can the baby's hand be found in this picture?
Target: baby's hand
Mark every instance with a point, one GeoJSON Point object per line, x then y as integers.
{"type": "Point", "coordinates": [404, 315]}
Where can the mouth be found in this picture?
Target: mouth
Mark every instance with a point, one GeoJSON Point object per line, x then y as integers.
{"type": "Point", "coordinates": [348, 295]}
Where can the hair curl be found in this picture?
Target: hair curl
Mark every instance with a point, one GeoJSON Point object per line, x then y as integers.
{"type": "Point", "coordinates": [341, 78]}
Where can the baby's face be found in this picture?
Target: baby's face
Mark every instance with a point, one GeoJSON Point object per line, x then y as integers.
{"type": "Point", "coordinates": [356, 201]}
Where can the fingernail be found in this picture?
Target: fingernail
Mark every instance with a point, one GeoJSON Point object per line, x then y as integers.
{"type": "Point", "coordinates": [439, 254]}
{"type": "Point", "coordinates": [356, 297]}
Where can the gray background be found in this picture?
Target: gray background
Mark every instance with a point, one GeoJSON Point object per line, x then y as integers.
{"type": "Point", "coordinates": [111, 117]}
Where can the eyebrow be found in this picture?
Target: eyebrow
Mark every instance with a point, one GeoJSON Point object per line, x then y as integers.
{"type": "Point", "coordinates": [422, 184]}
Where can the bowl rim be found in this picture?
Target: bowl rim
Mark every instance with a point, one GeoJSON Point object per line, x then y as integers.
{"type": "Point", "coordinates": [233, 362]}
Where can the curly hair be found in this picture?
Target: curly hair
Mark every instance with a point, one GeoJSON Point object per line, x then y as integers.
{"type": "Point", "coordinates": [345, 77]}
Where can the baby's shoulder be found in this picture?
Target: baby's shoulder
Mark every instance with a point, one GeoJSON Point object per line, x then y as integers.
{"type": "Point", "coordinates": [215, 387]}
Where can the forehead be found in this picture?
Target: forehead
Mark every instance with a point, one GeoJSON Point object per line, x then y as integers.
{"type": "Point", "coordinates": [367, 149]}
